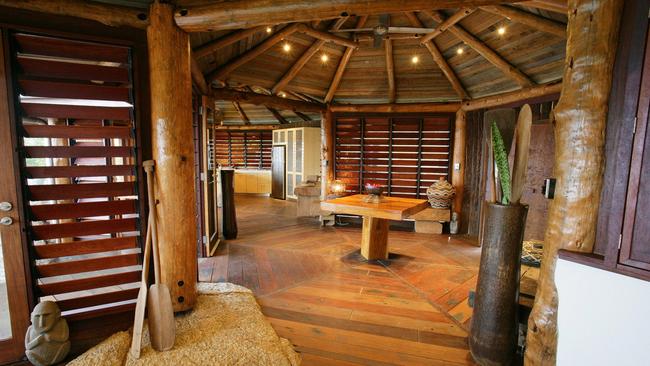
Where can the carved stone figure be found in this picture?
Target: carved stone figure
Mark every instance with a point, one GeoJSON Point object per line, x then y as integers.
{"type": "Point", "coordinates": [46, 341]}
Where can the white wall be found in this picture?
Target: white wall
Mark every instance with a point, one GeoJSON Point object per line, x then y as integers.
{"type": "Point", "coordinates": [603, 317]}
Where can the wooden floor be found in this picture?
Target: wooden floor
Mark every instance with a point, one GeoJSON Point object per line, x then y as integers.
{"type": "Point", "coordinates": [336, 309]}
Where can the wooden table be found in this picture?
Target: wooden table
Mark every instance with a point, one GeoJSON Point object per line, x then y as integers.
{"type": "Point", "coordinates": [374, 235]}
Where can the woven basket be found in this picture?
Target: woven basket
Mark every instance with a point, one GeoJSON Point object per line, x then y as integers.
{"type": "Point", "coordinates": [440, 194]}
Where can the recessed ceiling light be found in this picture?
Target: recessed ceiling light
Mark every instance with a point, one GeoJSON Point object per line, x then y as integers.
{"type": "Point", "coordinates": [324, 57]}
{"type": "Point", "coordinates": [283, 94]}
{"type": "Point", "coordinates": [286, 47]}
{"type": "Point", "coordinates": [415, 59]}
{"type": "Point", "coordinates": [269, 29]}
{"type": "Point", "coordinates": [460, 51]}
{"type": "Point", "coordinates": [501, 30]}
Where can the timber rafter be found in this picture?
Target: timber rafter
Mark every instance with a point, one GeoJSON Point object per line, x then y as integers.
{"type": "Point", "coordinates": [485, 51]}
{"type": "Point", "coordinates": [266, 100]}
{"type": "Point", "coordinates": [343, 63]}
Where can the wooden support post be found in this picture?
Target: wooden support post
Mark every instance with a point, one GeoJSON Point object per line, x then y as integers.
{"type": "Point", "coordinates": [458, 166]}
{"type": "Point", "coordinates": [485, 51]}
{"type": "Point", "coordinates": [374, 238]}
{"type": "Point", "coordinates": [579, 158]}
{"type": "Point", "coordinates": [172, 143]}
{"type": "Point", "coordinates": [334, 85]}
{"type": "Point", "coordinates": [327, 152]}
{"type": "Point", "coordinates": [390, 70]}
{"type": "Point", "coordinates": [540, 91]}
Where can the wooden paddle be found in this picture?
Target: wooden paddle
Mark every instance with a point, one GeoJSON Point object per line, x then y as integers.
{"type": "Point", "coordinates": [162, 329]}
{"type": "Point", "coordinates": [140, 306]}
{"type": "Point", "coordinates": [522, 145]}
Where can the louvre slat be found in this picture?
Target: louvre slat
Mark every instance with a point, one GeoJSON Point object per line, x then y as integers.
{"type": "Point", "coordinates": [75, 111]}
{"type": "Point", "coordinates": [85, 228]}
{"type": "Point", "coordinates": [82, 209]}
{"type": "Point", "coordinates": [87, 265]}
{"type": "Point", "coordinates": [78, 151]}
{"type": "Point", "coordinates": [55, 89]}
{"type": "Point", "coordinates": [72, 71]}
{"type": "Point", "coordinates": [88, 283]}
{"type": "Point", "coordinates": [80, 171]}
{"type": "Point", "coordinates": [58, 47]}
{"type": "Point", "coordinates": [98, 299]}
{"type": "Point", "coordinates": [70, 191]}
{"type": "Point", "coordinates": [44, 251]}
{"type": "Point", "coordinates": [97, 132]}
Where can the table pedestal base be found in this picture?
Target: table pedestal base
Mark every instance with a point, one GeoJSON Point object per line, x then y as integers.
{"type": "Point", "coordinates": [374, 238]}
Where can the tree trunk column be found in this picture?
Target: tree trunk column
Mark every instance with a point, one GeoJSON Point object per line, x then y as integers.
{"type": "Point", "coordinates": [458, 175]}
{"type": "Point", "coordinates": [579, 158]}
{"type": "Point", "coordinates": [173, 151]}
{"type": "Point", "coordinates": [327, 153]}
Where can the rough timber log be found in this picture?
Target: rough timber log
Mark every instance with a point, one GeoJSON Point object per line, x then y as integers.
{"type": "Point", "coordinates": [173, 150]}
{"type": "Point", "coordinates": [224, 41]}
{"type": "Point", "coordinates": [343, 63]}
{"type": "Point", "coordinates": [579, 158]}
{"type": "Point", "coordinates": [111, 15]}
{"type": "Point", "coordinates": [267, 100]}
{"type": "Point", "coordinates": [458, 176]}
{"type": "Point", "coordinates": [512, 97]}
{"type": "Point", "coordinates": [237, 14]}
{"type": "Point", "coordinates": [198, 78]}
{"type": "Point", "coordinates": [531, 20]}
{"type": "Point", "coordinates": [327, 152]}
{"type": "Point", "coordinates": [397, 108]}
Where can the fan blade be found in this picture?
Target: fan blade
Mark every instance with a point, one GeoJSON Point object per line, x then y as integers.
{"type": "Point", "coordinates": [410, 30]}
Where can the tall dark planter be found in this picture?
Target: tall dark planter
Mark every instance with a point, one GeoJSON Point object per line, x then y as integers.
{"type": "Point", "coordinates": [493, 334]}
{"type": "Point", "coordinates": [228, 204]}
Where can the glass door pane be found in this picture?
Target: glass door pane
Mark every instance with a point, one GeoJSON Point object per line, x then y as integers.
{"type": "Point", "coordinates": [5, 318]}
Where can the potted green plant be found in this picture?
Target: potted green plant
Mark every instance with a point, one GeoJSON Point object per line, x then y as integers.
{"type": "Point", "coordinates": [494, 327]}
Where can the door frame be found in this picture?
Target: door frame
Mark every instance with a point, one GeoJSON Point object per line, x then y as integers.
{"type": "Point", "coordinates": [15, 252]}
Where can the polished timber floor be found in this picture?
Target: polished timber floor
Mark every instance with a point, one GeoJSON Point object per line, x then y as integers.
{"type": "Point", "coordinates": [338, 310]}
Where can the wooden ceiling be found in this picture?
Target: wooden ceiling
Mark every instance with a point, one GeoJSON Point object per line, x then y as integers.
{"type": "Point", "coordinates": [530, 52]}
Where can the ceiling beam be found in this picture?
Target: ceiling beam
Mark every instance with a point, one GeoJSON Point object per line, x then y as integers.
{"type": "Point", "coordinates": [440, 60]}
{"type": "Point", "coordinates": [343, 63]}
{"type": "Point", "coordinates": [222, 72]}
{"type": "Point", "coordinates": [219, 43]}
{"type": "Point", "coordinates": [397, 108]}
{"type": "Point", "coordinates": [390, 70]}
{"type": "Point", "coordinates": [241, 112]}
{"type": "Point", "coordinates": [485, 51]}
{"type": "Point", "coordinates": [513, 97]}
{"type": "Point", "coordinates": [327, 37]}
{"type": "Point", "coordinates": [197, 76]}
{"type": "Point", "coordinates": [250, 127]}
{"type": "Point", "coordinates": [304, 58]}
{"type": "Point", "coordinates": [111, 15]}
{"type": "Point", "coordinates": [267, 100]}
{"type": "Point", "coordinates": [534, 21]}
{"type": "Point", "coordinates": [556, 6]}
{"type": "Point", "coordinates": [457, 17]}
{"type": "Point", "coordinates": [277, 115]}
{"type": "Point", "coordinates": [302, 116]}
{"type": "Point", "coordinates": [238, 14]}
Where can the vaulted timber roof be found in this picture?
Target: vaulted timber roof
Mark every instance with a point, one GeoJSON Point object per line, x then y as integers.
{"type": "Point", "coordinates": [531, 51]}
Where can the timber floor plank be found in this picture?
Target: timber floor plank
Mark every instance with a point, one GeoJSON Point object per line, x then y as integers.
{"type": "Point", "coordinates": [337, 309]}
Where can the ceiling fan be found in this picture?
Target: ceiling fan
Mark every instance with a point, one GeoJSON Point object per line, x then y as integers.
{"type": "Point", "coordinates": [381, 30]}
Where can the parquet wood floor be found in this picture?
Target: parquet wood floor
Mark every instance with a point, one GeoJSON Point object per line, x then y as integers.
{"type": "Point", "coordinates": [338, 310]}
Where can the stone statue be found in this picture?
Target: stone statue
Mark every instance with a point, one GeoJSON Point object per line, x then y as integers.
{"type": "Point", "coordinates": [46, 341]}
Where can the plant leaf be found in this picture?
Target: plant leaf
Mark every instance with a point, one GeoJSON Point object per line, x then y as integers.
{"type": "Point", "coordinates": [501, 160]}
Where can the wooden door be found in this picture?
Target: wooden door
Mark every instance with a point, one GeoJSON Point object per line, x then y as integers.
{"type": "Point", "coordinates": [635, 240]}
{"type": "Point", "coordinates": [14, 307]}
{"type": "Point", "coordinates": [278, 172]}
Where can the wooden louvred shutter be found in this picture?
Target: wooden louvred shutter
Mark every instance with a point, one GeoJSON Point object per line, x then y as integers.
{"type": "Point", "coordinates": [79, 158]}
{"type": "Point", "coordinates": [249, 149]}
{"type": "Point", "coordinates": [404, 154]}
